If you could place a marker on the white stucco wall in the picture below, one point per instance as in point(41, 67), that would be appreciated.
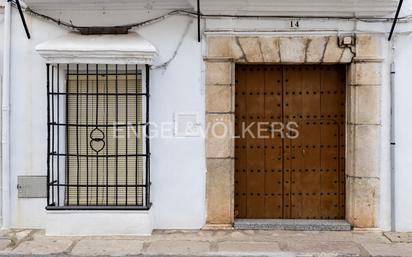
point(178, 165)
point(403, 129)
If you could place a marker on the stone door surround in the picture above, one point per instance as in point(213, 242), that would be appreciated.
point(364, 63)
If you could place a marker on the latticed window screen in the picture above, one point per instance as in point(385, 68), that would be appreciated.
point(98, 146)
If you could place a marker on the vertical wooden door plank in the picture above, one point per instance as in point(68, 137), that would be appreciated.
point(255, 146)
point(273, 142)
point(240, 144)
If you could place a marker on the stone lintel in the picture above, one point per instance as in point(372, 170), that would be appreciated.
point(286, 50)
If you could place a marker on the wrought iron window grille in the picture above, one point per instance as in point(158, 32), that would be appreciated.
point(98, 137)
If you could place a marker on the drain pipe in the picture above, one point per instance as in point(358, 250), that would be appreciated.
point(5, 138)
point(392, 136)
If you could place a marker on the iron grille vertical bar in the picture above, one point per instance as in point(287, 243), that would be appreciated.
point(117, 133)
point(52, 132)
point(48, 133)
point(127, 134)
point(58, 133)
point(97, 124)
point(77, 135)
point(137, 133)
point(147, 135)
point(67, 157)
point(87, 133)
point(107, 145)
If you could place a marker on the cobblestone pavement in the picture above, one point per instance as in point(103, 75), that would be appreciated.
point(210, 243)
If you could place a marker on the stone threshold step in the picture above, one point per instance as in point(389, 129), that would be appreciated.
point(292, 224)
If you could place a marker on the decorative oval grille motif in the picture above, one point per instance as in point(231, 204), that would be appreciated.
point(97, 142)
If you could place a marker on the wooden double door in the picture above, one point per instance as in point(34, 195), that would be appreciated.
point(290, 142)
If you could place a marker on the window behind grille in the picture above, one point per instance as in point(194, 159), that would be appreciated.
point(102, 158)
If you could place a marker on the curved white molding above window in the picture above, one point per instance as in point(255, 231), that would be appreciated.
point(129, 48)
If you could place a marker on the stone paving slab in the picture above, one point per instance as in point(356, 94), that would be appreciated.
point(239, 248)
point(338, 248)
point(22, 234)
point(399, 237)
point(43, 246)
point(109, 247)
point(178, 248)
point(4, 243)
point(383, 250)
point(369, 237)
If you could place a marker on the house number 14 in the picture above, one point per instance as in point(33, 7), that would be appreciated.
point(294, 24)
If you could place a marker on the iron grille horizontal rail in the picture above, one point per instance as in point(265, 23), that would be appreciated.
point(99, 125)
point(101, 156)
point(94, 94)
point(80, 185)
point(99, 208)
point(109, 73)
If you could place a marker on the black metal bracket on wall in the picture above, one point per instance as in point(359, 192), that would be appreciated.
point(23, 20)
point(395, 20)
